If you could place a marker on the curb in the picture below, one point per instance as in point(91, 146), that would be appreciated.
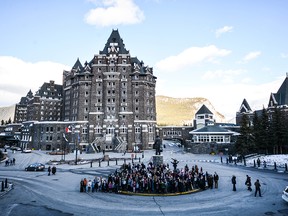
point(159, 194)
point(2, 193)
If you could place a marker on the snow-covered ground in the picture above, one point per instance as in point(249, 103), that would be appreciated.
point(280, 160)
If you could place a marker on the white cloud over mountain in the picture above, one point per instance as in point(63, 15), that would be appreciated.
point(191, 56)
point(18, 77)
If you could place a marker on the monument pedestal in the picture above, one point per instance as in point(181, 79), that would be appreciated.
point(106, 158)
point(157, 160)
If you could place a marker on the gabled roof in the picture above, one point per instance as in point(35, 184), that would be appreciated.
point(135, 61)
point(203, 110)
point(281, 97)
point(29, 94)
point(77, 66)
point(25, 100)
point(245, 108)
point(114, 44)
point(54, 92)
point(211, 129)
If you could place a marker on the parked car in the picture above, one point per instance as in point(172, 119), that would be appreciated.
point(26, 151)
point(35, 167)
point(16, 148)
point(6, 147)
point(285, 194)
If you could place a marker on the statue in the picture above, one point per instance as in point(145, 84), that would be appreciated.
point(157, 145)
point(174, 163)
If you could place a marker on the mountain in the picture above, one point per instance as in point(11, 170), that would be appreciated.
point(181, 111)
point(170, 111)
point(7, 112)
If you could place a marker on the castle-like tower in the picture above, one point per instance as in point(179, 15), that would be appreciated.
point(45, 105)
point(114, 96)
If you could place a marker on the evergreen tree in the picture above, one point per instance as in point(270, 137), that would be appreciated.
point(244, 143)
point(2, 122)
point(277, 130)
point(256, 133)
point(264, 132)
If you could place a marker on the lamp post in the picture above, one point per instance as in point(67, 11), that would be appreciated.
point(76, 145)
point(76, 149)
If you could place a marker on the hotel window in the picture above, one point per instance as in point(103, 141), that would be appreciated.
point(137, 129)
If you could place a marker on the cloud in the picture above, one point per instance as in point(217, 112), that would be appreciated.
point(191, 56)
point(225, 76)
point(251, 56)
point(223, 30)
point(115, 12)
point(225, 97)
point(18, 77)
point(284, 55)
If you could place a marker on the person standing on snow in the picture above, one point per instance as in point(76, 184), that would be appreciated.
point(216, 178)
point(257, 187)
point(234, 182)
point(53, 170)
point(248, 182)
point(49, 170)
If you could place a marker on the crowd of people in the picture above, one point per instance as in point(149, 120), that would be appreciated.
point(10, 162)
point(139, 178)
point(248, 184)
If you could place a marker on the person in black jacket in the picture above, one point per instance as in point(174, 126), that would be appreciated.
point(216, 179)
point(248, 183)
point(49, 170)
point(257, 187)
point(53, 170)
point(234, 182)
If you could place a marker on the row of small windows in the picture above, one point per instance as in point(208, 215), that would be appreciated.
point(211, 138)
point(122, 129)
point(172, 133)
point(100, 61)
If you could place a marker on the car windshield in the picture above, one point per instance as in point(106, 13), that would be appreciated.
point(286, 189)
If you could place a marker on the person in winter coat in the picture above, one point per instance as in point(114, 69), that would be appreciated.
point(81, 186)
point(49, 170)
point(248, 183)
point(257, 187)
point(216, 179)
point(53, 170)
point(234, 182)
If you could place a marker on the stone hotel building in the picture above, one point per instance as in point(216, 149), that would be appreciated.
point(106, 103)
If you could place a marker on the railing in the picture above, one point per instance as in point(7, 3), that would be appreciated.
point(121, 144)
point(98, 141)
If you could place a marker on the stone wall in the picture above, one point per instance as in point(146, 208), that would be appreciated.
point(208, 148)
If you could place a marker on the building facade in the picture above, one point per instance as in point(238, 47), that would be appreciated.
point(277, 100)
point(107, 103)
point(21, 109)
point(115, 94)
point(203, 117)
point(45, 105)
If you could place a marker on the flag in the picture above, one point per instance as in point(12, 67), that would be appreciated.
point(65, 137)
point(67, 130)
point(78, 137)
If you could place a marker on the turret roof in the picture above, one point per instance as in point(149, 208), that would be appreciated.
point(114, 44)
point(203, 110)
point(244, 108)
point(281, 97)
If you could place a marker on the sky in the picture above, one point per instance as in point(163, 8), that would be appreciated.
point(221, 50)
